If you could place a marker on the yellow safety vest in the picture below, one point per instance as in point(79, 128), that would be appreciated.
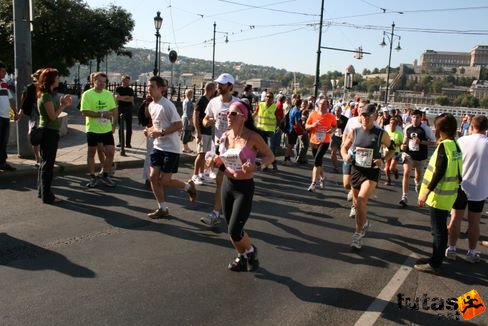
point(266, 117)
point(445, 193)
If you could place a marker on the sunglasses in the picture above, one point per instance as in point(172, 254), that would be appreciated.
point(233, 113)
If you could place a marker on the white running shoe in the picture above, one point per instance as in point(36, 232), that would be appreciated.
point(357, 240)
point(322, 183)
point(211, 219)
point(349, 195)
point(311, 188)
point(451, 254)
point(212, 175)
point(473, 257)
point(352, 213)
point(197, 180)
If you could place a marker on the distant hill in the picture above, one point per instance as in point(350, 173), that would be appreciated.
point(142, 61)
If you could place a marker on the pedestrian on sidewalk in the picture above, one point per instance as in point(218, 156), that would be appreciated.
point(100, 112)
point(7, 102)
point(125, 100)
point(187, 117)
point(237, 160)
point(439, 188)
point(474, 188)
point(203, 134)
point(49, 110)
point(29, 108)
point(165, 155)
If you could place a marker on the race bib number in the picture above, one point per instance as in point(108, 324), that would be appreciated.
point(364, 157)
point(232, 159)
point(338, 132)
point(412, 146)
point(320, 134)
point(222, 121)
point(103, 121)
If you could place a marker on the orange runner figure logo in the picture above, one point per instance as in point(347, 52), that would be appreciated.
point(470, 305)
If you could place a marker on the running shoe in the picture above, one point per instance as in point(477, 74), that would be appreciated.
point(311, 188)
point(352, 213)
point(159, 213)
point(451, 254)
point(366, 227)
point(108, 181)
point(252, 260)
point(426, 268)
point(473, 257)
point(211, 219)
point(212, 175)
point(92, 183)
point(349, 195)
point(357, 240)
point(322, 183)
point(239, 264)
point(197, 180)
point(404, 201)
point(192, 191)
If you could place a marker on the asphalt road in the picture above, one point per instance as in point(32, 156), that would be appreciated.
point(97, 260)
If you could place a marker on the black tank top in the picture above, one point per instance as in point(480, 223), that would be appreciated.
point(366, 146)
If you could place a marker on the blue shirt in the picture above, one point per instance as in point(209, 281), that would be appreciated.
point(293, 117)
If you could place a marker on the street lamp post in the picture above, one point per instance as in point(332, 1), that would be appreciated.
point(398, 48)
point(158, 21)
point(213, 47)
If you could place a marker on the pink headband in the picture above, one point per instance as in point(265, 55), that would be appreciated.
point(242, 107)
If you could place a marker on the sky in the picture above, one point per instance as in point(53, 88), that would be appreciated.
point(285, 34)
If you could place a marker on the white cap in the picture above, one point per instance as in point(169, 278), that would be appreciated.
point(225, 78)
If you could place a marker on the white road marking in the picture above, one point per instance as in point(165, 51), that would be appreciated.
point(374, 311)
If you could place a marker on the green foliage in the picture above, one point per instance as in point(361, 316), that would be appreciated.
point(467, 100)
point(484, 102)
point(66, 32)
point(442, 100)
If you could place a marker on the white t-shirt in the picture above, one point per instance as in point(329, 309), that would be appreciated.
point(163, 115)
point(475, 176)
point(5, 97)
point(218, 110)
point(354, 123)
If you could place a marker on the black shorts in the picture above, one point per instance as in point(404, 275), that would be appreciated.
point(462, 201)
point(167, 162)
point(292, 137)
point(336, 142)
point(359, 175)
point(94, 139)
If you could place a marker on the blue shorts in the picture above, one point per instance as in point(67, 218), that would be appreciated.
point(167, 162)
point(346, 168)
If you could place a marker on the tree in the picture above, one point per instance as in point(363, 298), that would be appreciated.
point(64, 33)
point(442, 100)
point(467, 100)
point(484, 102)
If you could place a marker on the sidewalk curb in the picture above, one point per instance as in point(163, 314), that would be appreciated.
point(61, 168)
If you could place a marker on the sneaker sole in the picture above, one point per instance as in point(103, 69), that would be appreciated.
point(217, 222)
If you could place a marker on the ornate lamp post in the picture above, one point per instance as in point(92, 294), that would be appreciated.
point(158, 21)
point(398, 48)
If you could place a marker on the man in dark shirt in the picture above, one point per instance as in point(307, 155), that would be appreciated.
point(416, 138)
point(125, 100)
point(203, 134)
point(337, 136)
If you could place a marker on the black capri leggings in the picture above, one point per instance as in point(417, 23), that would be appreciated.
point(318, 152)
point(236, 204)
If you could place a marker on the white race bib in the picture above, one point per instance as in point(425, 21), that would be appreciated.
point(338, 132)
point(364, 157)
point(103, 121)
point(320, 134)
point(412, 146)
point(222, 121)
point(232, 159)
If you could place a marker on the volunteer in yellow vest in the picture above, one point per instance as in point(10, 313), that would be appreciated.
point(268, 117)
point(440, 188)
point(100, 112)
